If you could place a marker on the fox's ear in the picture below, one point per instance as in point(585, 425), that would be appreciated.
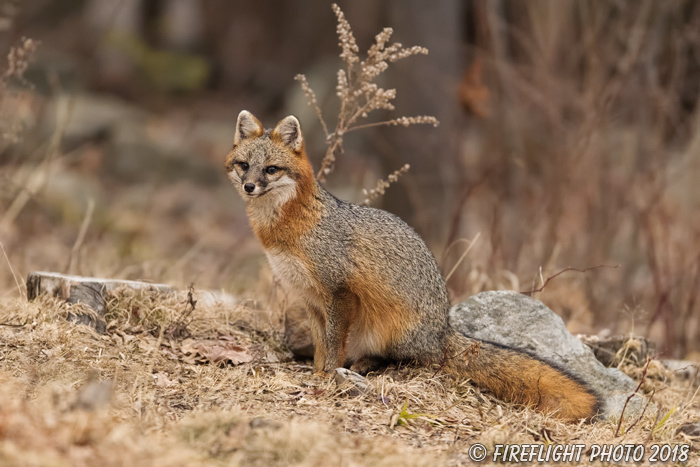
point(288, 131)
point(247, 126)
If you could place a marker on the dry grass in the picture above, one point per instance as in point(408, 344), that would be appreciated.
point(69, 396)
point(584, 158)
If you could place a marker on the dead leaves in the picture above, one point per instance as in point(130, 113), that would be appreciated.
point(214, 351)
point(223, 350)
point(162, 380)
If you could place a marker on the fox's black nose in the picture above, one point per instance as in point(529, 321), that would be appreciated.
point(249, 187)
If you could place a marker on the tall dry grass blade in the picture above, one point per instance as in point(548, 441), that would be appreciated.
point(81, 236)
point(9, 264)
point(461, 258)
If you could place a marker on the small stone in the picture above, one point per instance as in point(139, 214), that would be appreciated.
point(356, 383)
point(260, 422)
point(690, 429)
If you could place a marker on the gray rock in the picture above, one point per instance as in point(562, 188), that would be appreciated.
point(691, 429)
point(515, 320)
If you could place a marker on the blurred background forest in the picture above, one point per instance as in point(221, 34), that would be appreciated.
point(569, 137)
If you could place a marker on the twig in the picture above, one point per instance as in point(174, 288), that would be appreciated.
point(473, 349)
point(624, 407)
point(643, 411)
point(38, 178)
point(15, 325)
point(191, 302)
point(178, 328)
point(403, 121)
point(443, 362)
point(530, 292)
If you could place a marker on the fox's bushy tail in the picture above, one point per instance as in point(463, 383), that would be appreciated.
point(518, 377)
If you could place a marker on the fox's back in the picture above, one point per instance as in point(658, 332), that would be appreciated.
point(351, 239)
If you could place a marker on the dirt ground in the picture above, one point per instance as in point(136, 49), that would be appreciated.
point(168, 385)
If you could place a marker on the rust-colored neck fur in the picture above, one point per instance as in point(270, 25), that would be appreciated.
point(283, 227)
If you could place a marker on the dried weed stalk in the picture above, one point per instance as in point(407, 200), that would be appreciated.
point(11, 121)
point(17, 63)
point(359, 95)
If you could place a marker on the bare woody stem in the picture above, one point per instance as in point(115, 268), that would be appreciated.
point(405, 121)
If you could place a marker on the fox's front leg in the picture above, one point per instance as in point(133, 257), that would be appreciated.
point(317, 319)
point(340, 313)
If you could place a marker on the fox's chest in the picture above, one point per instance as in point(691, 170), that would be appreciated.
point(292, 270)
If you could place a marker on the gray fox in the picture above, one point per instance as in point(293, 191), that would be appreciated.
point(372, 287)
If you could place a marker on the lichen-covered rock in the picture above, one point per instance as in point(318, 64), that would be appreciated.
point(518, 321)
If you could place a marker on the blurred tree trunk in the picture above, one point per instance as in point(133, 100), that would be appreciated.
point(114, 66)
point(426, 85)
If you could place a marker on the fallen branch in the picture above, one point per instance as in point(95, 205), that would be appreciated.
point(530, 292)
point(10, 325)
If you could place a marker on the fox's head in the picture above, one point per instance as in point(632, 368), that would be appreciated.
point(267, 167)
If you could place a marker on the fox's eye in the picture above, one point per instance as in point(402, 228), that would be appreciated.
point(270, 170)
point(244, 165)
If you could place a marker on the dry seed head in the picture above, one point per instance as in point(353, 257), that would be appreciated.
point(421, 119)
point(19, 57)
point(372, 70)
point(382, 185)
point(381, 39)
point(358, 95)
point(307, 89)
point(403, 53)
point(343, 88)
point(311, 96)
point(346, 38)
